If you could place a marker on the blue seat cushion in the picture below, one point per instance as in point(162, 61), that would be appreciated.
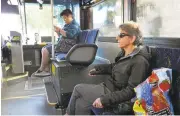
point(60, 56)
point(101, 111)
point(97, 111)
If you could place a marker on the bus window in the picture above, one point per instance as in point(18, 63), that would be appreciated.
point(159, 18)
point(39, 21)
point(10, 22)
point(107, 16)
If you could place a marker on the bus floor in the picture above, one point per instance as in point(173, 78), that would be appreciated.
point(27, 97)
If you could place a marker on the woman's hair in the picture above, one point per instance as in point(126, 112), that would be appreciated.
point(66, 12)
point(132, 29)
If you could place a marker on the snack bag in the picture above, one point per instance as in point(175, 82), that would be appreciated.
point(152, 94)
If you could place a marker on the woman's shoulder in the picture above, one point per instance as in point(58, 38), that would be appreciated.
point(143, 55)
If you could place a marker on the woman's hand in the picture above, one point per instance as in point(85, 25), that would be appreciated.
point(97, 103)
point(93, 72)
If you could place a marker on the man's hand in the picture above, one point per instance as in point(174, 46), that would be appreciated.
point(97, 103)
point(56, 29)
point(60, 31)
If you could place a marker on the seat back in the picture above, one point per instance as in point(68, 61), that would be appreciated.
point(82, 36)
point(82, 54)
point(169, 58)
point(166, 57)
point(91, 36)
point(88, 36)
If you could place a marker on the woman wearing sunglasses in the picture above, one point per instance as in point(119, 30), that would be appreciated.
point(131, 67)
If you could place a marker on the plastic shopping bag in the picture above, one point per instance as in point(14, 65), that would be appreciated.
point(152, 94)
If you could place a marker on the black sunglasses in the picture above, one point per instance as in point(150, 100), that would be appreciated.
point(121, 35)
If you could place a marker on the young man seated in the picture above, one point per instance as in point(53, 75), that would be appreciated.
point(68, 38)
point(130, 69)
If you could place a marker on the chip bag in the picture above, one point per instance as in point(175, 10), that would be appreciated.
point(152, 94)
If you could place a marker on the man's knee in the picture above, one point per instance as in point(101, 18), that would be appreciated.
point(44, 51)
point(78, 87)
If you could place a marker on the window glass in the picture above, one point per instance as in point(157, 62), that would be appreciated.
point(159, 18)
point(107, 16)
point(10, 22)
point(39, 21)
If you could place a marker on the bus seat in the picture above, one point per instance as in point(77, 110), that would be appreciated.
point(169, 58)
point(98, 111)
point(85, 37)
point(82, 36)
point(166, 57)
point(74, 69)
point(163, 57)
point(91, 36)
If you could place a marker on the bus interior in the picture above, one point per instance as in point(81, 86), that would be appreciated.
point(27, 26)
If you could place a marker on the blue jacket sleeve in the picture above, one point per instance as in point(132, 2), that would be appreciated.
point(72, 31)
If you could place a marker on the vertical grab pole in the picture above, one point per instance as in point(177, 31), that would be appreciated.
point(52, 27)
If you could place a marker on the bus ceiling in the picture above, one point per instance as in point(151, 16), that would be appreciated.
point(55, 1)
point(83, 3)
point(89, 3)
point(11, 6)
